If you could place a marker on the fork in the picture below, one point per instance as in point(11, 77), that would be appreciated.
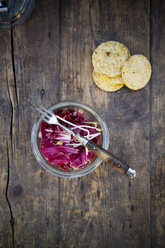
point(49, 117)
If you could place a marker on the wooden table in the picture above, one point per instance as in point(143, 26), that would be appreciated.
point(48, 58)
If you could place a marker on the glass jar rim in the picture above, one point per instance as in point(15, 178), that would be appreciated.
point(20, 15)
point(73, 174)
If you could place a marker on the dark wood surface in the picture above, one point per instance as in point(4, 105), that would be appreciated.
point(48, 58)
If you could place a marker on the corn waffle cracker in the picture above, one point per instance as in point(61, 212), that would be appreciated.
point(136, 72)
point(107, 83)
point(109, 57)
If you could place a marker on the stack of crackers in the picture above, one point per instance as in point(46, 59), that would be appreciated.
point(114, 67)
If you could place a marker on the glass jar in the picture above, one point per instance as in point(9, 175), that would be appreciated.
point(13, 12)
point(93, 117)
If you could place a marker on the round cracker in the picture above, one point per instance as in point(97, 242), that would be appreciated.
point(136, 72)
point(109, 80)
point(108, 84)
point(109, 57)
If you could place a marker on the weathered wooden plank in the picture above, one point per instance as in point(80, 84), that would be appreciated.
point(52, 57)
point(103, 206)
point(34, 193)
point(157, 138)
point(5, 122)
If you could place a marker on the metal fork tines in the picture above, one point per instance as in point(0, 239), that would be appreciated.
point(45, 113)
point(48, 115)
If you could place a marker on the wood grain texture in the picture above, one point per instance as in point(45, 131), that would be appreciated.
point(157, 136)
point(33, 193)
point(5, 139)
point(48, 58)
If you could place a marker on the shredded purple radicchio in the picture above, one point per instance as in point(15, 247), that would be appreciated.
point(60, 149)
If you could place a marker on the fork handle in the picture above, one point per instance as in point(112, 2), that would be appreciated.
point(115, 162)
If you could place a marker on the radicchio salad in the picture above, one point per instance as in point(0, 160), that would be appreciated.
point(60, 149)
